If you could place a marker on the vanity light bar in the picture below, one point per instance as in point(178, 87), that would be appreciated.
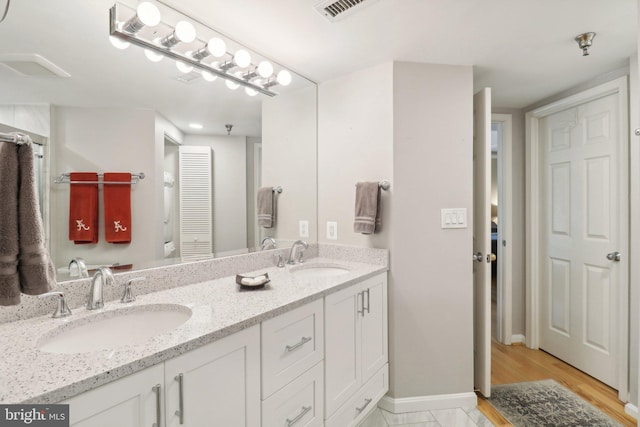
point(115, 29)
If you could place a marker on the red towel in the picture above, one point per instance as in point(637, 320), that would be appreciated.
point(83, 208)
point(117, 208)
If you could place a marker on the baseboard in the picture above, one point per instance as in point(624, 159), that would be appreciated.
point(631, 410)
point(517, 339)
point(428, 403)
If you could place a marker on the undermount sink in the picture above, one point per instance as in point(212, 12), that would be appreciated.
point(115, 328)
point(316, 270)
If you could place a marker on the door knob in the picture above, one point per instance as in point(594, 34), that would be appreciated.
point(478, 257)
point(614, 256)
point(491, 257)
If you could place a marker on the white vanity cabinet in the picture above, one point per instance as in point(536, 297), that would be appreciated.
point(356, 352)
point(220, 387)
point(132, 401)
point(216, 385)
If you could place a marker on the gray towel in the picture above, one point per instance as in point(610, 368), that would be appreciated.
point(266, 207)
point(25, 265)
point(367, 215)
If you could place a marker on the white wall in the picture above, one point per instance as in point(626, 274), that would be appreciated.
point(229, 190)
point(634, 238)
point(104, 140)
point(518, 243)
point(289, 135)
point(412, 124)
point(355, 143)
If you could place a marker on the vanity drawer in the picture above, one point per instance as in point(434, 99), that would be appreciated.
point(299, 403)
point(356, 408)
point(291, 343)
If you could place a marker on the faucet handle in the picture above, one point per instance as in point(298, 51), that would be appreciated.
point(301, 256)
point(279, 261)
point(128, 294)
point(62, 309)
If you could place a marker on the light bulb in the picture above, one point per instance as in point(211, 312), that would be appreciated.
point(284, 78)
point(185, 32)
point(242, 58)
point(265, 69)
point(183, 68)
point(209, 76)
point(216, 47)
point(148, 14)
point(231, 84)
point(251, 92)
point(119, 43)
point(153, 56)
point(195, 126)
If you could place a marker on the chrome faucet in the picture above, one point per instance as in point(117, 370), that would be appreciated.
point(80, 267)
point(102, 277)
point(268, 242)
point(294, 257)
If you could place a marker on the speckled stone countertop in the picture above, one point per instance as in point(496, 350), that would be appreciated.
point(220, 308)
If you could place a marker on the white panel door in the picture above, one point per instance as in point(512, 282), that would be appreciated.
point(580, 204)
point(482, 240)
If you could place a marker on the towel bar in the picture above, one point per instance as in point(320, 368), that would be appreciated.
point(64, 179)
point(277, 189)
point(15, 138)
point(384, 185)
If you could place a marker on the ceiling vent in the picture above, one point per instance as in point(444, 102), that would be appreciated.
point(336, 10)
point(32, 65)
point(188, 78)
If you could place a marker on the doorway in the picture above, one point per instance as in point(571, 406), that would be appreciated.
point(549, 275)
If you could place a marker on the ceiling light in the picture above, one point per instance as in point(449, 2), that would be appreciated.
point(231, 84)
point(184, 32)
point(251, 92)
point(147, 14)
point(215, 46)
point(183, 68)
point(153, 56)
point(242, 58)
point(118, 43)
point(195, 125)
point(585, 41)
point(265, 69)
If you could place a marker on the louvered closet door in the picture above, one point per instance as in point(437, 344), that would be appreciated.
point(196, 218)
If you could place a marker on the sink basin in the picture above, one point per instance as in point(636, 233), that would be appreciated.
point(115, 328)
point(315, 270)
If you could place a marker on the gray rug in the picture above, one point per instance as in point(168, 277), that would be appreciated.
point(547, 404)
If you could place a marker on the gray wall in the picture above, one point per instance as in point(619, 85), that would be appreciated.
point(412, 124)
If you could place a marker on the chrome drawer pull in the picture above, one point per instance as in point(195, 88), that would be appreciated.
point(156, 389)
point(180, 411)
point(298, 417)
point(366, 403)
point(360, 295)
point(302, 342)
point(368, 302)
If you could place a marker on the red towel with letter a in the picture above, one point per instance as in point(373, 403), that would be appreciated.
point(83, 208)
point(117, 207)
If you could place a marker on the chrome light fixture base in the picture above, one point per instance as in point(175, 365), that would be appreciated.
point(585, 41)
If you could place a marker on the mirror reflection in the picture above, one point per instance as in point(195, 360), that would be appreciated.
point(205, 150)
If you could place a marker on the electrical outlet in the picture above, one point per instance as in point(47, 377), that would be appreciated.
point(304, 228)
point(332, 230)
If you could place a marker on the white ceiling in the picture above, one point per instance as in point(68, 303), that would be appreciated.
point(523, 50)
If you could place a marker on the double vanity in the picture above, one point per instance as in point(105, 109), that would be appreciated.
point(307, 349)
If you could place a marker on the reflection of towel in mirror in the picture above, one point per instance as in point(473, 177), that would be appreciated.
point(117, 208)
point(83, 208)
point(367, 213)
point(25, 265)
point(266, 207)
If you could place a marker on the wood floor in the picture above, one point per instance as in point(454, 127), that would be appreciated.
point(512, 364)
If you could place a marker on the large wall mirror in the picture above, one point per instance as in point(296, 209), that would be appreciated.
point(97, 108)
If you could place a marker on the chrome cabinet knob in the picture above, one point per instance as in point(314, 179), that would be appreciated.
point(614, 256)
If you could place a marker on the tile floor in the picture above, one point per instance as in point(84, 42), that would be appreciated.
point(459, 417)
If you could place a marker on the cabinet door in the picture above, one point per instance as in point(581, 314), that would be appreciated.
point(374, 326)
point(128, 402)
point(220, 383)
point(342, 346)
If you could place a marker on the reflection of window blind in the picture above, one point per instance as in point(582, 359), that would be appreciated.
point(196, 218)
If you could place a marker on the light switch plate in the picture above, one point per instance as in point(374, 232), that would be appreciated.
point(304, 228)
point(332, 230)
point(453, 218)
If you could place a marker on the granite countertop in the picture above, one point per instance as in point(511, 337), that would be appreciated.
point(220, 308)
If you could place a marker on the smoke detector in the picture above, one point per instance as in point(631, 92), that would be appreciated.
point(334, 10)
